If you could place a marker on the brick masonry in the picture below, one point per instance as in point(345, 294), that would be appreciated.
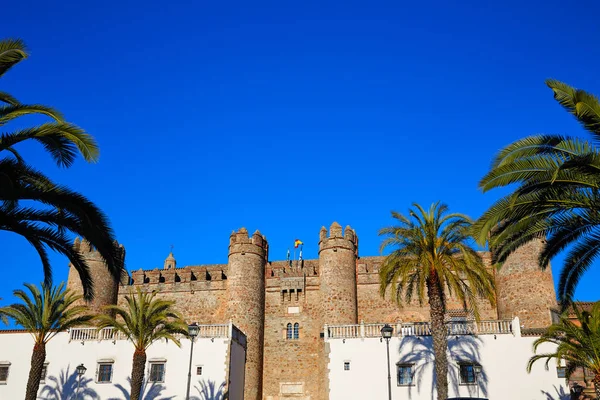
point(262, 297)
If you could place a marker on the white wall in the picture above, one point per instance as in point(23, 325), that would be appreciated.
point(237, 370)
point(63, 357)
point(503, 359)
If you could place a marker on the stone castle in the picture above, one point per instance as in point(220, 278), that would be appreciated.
point(283, 306)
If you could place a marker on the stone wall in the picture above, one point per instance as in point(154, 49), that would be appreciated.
point(524, 290)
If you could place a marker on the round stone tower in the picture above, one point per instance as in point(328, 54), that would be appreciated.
point(337, 266)
point(524, 290)
point(246, 301)
point(106, 287)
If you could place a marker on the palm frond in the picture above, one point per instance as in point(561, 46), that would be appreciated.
point(12, 51)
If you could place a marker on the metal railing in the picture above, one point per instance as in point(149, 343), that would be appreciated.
point(419, 329)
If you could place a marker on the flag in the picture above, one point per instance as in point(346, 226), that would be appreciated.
point(297, 243)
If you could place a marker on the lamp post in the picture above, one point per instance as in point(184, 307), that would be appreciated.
point(477, 370)
point(80, 371)
point(192, 333)
point(386, 333)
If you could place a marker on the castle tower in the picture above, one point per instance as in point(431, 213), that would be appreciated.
point(524, 290)
point(170, 262)
point(337, 264)
point(246, 301)
point(106, 288)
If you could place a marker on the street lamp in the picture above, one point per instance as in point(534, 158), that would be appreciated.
point(477, 370)
point(386, 333)
point(192, 333)
point(80, 371)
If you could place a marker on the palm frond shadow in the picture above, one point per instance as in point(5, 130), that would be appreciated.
point(64, 387)
point(561, 394)
point(150, 391)
point(418, 351)
point(209, 391)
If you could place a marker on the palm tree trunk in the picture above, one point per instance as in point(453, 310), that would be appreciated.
point(137, 373)
point(38, 357)
point(596, 382)
point(437, 310)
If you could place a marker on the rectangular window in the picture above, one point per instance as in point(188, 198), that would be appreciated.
point(4, 373)
point(561, 372)
point(346, 365)
point(199, 370)
point(44, 372)
point(467, 374)
point(104, 372)
point(157, 372)
point(405, 374)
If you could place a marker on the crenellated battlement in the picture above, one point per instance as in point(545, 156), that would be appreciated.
point(241, 242)
point(194, 273)
point(348, 240)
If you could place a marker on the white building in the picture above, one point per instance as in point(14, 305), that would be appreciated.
point(358, 363)
point(218, 363)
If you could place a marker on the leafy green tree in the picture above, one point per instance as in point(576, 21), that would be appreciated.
point(557, 195)
point(144, 320)
point(577, 343)
point(432, 258)
point(44, 313)
point(52, 212)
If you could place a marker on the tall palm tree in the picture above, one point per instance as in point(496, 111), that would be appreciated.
point(577, 343)
point(62, 211)
point(432, 258)
point(144, 320)
point(44, 313)
point(557, 195)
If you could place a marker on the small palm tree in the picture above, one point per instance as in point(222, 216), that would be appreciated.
point(44, 314)
point(557, 195)
point(577, 343)
point(52, 211)
point(144, 320)
point(432, 258)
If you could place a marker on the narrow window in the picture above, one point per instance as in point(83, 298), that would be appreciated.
point(199, 370)
point(405, 374)
point(44, 373)
point(346, 365)
point(467, 374)
point(4, 373)
point(561, 372)
point(104, 373)
point(157, 372)
point(296, 330)
point(289, 334)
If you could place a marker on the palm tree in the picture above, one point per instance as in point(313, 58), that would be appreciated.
point(557, 196)
point(62, 211)
point(144, 320)
point(431, 252)
point(577, 343)
point(44, 314)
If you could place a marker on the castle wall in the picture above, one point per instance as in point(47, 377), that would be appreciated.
point(289, 364)
point(372, 308)
point(524, 290)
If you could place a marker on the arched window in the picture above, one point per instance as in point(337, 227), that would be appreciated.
point(296, 330)
point(289, 332)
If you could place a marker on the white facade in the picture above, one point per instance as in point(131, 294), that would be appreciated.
point(218, 357)
point(358, 363)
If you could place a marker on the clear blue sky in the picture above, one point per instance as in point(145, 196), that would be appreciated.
point(285, 116)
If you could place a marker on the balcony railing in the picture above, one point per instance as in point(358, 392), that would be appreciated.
point(92, 334)
point(419, 329)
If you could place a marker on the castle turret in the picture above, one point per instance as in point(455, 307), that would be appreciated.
point(337, 265)
point(524, 290)
point(246, 301)
point(106, 287)
point(170, 262)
